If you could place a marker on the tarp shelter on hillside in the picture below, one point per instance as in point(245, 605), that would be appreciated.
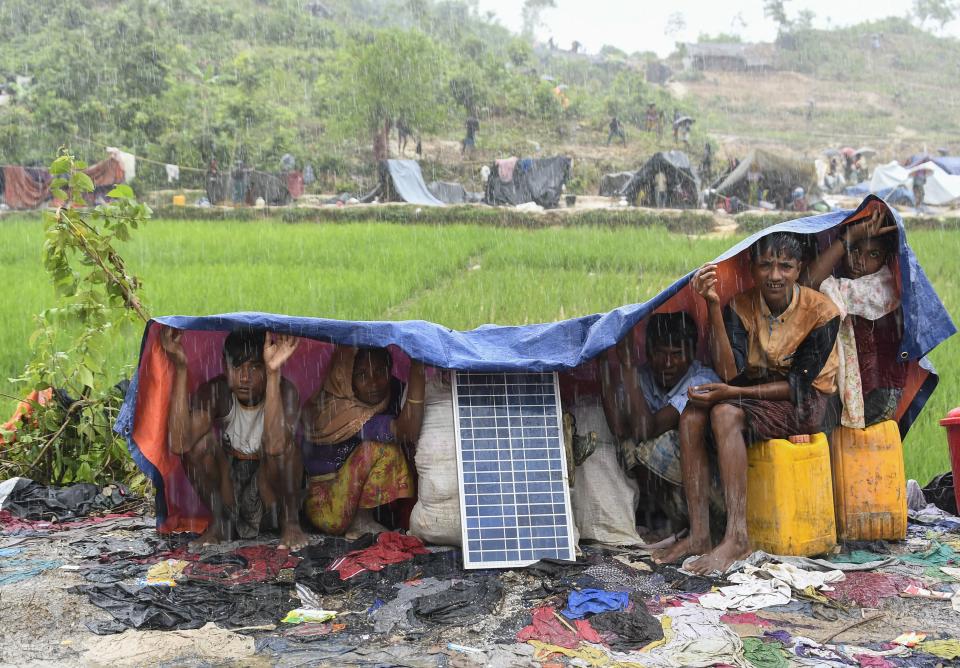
point(569, 346)
point(247, 186)
point(683, 185)
point(29, 187)
point(449, 192)
point(948, 163)
point(779, 175)
point(402, 181)
point(539, 180)
point(940, 187)
point(612, 184)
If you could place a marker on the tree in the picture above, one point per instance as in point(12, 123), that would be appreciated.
point(776, 10)
point(676, 22)
point(531, 12)
point(395, 74)
point(804, 19)
point(939, 11)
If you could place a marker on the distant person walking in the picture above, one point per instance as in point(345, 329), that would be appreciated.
point(651, 117)
point(616, 130)
point(676, 126)
point(661, 121)
point(706, 165)
point(919, 185)
point(470, 141)
point(404, 133)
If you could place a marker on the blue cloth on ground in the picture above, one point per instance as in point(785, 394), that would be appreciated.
point(587, 601)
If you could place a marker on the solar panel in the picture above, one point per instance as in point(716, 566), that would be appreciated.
point(514, 499)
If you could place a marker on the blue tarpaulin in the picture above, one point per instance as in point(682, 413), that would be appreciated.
point(408, 182)
point(556, 346)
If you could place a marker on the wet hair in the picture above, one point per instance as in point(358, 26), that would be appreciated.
point(778, 243)
point(671, 329)
point(244, 345)
point(375, 352)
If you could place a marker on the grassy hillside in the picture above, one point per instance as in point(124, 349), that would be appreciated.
point(891, 97)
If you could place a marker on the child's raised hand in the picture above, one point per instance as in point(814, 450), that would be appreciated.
point(704, 283)
point(871, 227)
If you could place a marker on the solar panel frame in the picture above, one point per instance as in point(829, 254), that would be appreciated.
point(550, 479)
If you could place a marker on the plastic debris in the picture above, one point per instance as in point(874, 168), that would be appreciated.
point(911, 639)
point(300, 615)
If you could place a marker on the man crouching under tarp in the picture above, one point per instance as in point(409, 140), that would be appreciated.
point(235, 436)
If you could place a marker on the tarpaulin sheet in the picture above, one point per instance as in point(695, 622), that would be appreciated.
point(408, 182)
point(539, 181)
point(940, 187)
point(556, 346)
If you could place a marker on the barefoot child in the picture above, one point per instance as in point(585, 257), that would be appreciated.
point(871, 377)
point(235, 436)
point(773, 345)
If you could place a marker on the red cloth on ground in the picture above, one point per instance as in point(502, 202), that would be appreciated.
point(264, 563)
point(744, 618)
point(867, 589)
point(548, 628)
point(868, 661)
point(391, 548)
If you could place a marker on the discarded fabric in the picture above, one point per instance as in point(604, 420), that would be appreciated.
point(459, 604)
point(185, 607)
point(762, 654)
point(748, 593)
point(254, 563)
point(390, 548)
point(582, 603)
point(628, 630)
point(868, 589)
point(945, 649)
point(548, 627)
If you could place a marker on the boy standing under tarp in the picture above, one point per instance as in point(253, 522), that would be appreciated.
point(774, 347)
point(235, 435)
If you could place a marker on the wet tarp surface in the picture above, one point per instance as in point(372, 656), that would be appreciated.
point(948, 163)
point(402, 180)
point(779, 176)
point(612, 184)
point(683, 185)
point(569, 346)
point(898, 195)
point(534, 180)
point(450, 193)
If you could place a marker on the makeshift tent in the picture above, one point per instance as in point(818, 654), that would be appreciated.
point(568, 346)
point(539, 180)
point(402, 181)
point(29, 187)
point(271, 188)
point(940, 187)
point(449, 192)
point(948, 163)
point(612, 184)
point(897, 196)
point(683, 185)
point(779, 175)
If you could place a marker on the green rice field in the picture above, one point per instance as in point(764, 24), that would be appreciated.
point(461, 276)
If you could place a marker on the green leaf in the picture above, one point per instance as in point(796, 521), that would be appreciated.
point(85, 376)
point(61, 165)
point(82, 182)
point(121, 191)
